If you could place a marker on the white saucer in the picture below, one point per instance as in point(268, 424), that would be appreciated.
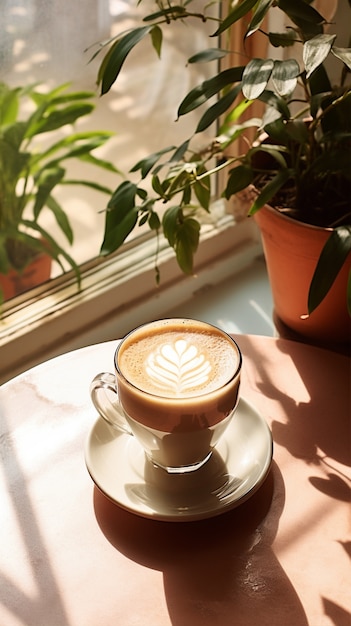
point(237, 467)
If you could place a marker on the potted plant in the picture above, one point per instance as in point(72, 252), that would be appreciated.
point(30, 170)
point(296, 156)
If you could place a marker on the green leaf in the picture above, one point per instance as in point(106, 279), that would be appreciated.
point(186, 199)
point(9, 105)
point(209, 88)
point(344, 54)
point(123, 199)
point(255, 77)
point(211, 54)
point(259, 14)
point(4, 261)
point(239, 11)
point(270, 189)
point(333, 256)
point(230, 133)
point(277, 103)
point(98, 162)
point(54, 249)
point(157, 186)
point(180, 152)
point(282, 40)
point(87, 183)
point(303, 15)
point(156, 38)
point(58, 118)
point(116, 233)
point(297, 131)
point(285, 75)
point(202, 189)
point(154, 221)
point(276, 152)
point(143, 219)
point(46, 181)
point(239, 178)
point(170, 223)
point(315, 51)
point(61, 218)
point(187, 243)
point(117, 55)
point(218, 109)
point(146, 165)
point(171, 12)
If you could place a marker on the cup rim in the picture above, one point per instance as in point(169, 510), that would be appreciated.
point(183, 398)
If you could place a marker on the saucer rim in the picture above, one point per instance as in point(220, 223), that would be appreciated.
point(184, 516)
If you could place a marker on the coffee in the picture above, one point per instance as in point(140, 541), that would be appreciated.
point(176, 387)
point(168, 378)
point(178, 359)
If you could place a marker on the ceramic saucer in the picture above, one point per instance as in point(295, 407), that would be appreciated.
point(237, 467)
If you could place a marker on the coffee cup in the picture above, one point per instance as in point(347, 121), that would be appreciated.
point(175, 388)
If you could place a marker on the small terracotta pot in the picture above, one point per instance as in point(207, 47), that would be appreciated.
point(36, 272)
point(292, 250)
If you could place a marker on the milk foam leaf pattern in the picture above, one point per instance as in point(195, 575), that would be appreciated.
point(178, 367)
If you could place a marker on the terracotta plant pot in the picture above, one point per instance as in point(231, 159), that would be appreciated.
point(35, 273)
point(292, 249)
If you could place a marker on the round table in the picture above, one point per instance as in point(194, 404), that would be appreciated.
point(71, 557)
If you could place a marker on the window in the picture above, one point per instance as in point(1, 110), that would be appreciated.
point(45, 41)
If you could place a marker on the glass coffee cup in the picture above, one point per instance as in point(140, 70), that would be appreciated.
point(175, 388)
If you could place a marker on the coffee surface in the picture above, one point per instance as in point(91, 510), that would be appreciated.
point(178, 361)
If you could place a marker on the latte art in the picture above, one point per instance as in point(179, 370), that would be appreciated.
point(178, 367)
point(178, 359)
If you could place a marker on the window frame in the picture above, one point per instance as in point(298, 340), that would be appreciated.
point(117, 293)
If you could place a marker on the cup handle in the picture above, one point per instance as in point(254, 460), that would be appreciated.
point(101, 389)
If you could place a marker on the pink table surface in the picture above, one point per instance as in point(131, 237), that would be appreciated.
point(70, 557)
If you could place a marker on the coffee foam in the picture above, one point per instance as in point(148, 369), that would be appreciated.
point(178, 362)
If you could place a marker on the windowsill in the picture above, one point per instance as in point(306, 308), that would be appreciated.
point(240, 304)
point(61, 319)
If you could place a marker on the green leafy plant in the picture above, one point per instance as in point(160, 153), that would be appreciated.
point(29, 172)
point(297, 157)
